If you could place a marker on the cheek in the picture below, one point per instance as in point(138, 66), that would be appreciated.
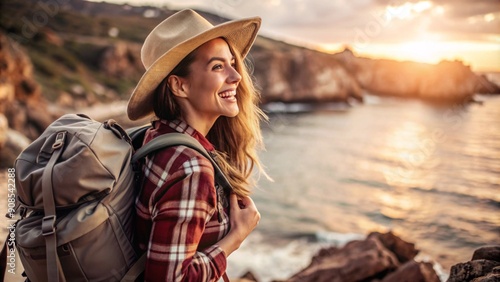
point(216, 82)
point(208, 85)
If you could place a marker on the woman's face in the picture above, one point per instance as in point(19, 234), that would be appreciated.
point(212, 81)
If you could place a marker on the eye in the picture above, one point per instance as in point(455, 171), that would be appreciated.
point(217, 67)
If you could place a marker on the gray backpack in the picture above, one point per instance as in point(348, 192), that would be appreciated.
point(76, 186)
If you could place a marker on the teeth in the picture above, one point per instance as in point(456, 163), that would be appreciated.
point(227, 94)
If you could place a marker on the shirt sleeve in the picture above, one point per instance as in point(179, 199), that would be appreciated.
point(183, 205)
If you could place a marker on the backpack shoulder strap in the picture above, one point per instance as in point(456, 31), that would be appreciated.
point(177, 139)
point(160, 142)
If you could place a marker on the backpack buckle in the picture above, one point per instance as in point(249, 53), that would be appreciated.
point(59, 140)
point(48, 225)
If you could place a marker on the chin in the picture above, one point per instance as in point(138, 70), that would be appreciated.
point(231, 114)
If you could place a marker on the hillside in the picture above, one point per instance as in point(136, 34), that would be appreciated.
point(84, 52)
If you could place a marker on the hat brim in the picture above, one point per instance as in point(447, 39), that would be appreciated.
point(240, 33)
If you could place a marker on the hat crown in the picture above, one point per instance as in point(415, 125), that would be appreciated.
point(171, 32)
point(172, 40)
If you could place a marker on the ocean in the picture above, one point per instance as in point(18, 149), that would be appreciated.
point(428, 173)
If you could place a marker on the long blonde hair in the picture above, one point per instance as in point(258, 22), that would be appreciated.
point(236, 148)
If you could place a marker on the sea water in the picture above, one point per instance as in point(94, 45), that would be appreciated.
point(428, 173)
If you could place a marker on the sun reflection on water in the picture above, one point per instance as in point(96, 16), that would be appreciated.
point(410, 152)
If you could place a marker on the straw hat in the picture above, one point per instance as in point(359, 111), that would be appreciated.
point(172, 40)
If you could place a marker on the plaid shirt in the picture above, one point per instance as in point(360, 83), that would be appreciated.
point(178, 212)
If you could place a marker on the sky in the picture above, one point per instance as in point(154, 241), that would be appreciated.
point(417, 30)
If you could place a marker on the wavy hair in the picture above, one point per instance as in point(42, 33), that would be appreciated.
point(236, 149)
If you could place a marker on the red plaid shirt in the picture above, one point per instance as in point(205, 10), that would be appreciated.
point(178, 212)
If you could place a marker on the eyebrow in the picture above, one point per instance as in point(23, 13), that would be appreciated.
point(219, 59)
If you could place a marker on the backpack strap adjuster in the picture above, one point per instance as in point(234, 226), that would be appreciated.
point(48, 225)
point(59, 140)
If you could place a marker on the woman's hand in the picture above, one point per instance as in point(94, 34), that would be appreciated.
point(244, 217)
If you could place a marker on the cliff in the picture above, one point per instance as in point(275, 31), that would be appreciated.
point(288, 73)
point(448, 81)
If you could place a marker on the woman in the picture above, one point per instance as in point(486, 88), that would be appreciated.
point(196, 83)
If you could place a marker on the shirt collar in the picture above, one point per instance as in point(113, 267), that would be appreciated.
point(178, 125)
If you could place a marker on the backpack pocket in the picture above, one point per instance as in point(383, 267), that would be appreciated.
point(97, 249)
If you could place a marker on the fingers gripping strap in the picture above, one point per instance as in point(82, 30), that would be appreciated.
point(54, 270)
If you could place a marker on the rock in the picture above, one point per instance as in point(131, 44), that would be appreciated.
point(356, 261)
point(21, 100)
point(121, 60)
point(65, 100)
point(488, 278)
point(373, 259)
point(488, 253)
point(403, 250)
point(485, 86)
point(413, 271)
point(484, 266)
point(249, 276)
point(14, 144)
point(472, 269)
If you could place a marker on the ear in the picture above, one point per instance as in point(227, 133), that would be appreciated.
point(177, 86)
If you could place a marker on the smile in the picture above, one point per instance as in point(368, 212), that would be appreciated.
point(227, 94)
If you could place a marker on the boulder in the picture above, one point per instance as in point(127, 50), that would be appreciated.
point(15, 143)
point(121, 60)
point(413, 271)
point(487, 253)
point(403, 250)
point(356, 261)
point(483, 267)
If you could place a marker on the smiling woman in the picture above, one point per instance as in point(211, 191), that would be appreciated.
point(196, 84)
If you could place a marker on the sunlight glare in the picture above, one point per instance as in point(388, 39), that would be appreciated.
point(275, 2)
point(407, 10)
point(439, 10)
point(489, 17)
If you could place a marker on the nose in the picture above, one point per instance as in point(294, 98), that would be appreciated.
point(234, 76)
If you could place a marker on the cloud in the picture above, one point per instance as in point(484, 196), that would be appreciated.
point(378, 21)
point(463, 9)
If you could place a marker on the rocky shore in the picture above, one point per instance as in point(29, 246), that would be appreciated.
point(384, 257)
point(381, 257)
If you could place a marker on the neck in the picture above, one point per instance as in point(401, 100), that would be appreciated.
point(201, 125)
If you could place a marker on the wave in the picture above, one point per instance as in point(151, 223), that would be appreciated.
point(473, 198)
point(294, 108)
